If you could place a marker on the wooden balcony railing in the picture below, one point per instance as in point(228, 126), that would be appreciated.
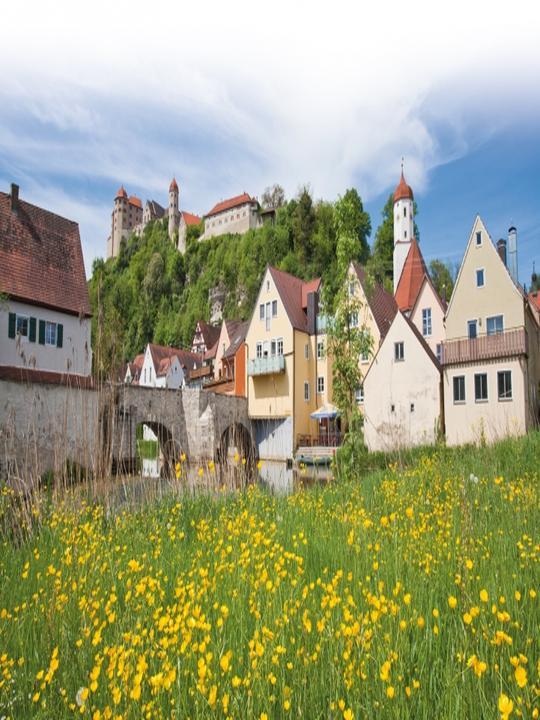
point(509, 343)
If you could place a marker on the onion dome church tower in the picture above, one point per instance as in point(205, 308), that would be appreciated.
point(403, 225)
point(174, 212)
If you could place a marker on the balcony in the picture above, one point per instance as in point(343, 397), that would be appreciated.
point(270, 365)
point(509, 343)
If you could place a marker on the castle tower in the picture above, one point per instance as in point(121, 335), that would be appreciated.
point(403, 225)
point(174, 213)
point(119, 220)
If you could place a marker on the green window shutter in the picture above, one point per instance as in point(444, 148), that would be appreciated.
point(12, 325)
point(59, 335)
point(32, 330)
point(42, 332)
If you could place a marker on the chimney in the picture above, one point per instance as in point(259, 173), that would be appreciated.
point(14, 197)
point(512, 253)
point(312, 311)
point(501, 249)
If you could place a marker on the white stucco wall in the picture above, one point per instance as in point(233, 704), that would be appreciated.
point(173, 380)
point(427, 298)
point(75, 355)
point(490, 420)
point(236, 220)
point(413, 380)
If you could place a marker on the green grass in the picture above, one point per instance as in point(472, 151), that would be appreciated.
point(312, 605)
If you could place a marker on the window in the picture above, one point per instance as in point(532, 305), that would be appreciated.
point(320, 350)
point(273, 347)
point(480, 387)
point(504, 384)
point(150, 373)
point(306, 391)
point(359, 394)
point(261, 311)
point(259, 350)
point(50, 333)
point(22, 325)
point(306, 351)
point(405, 212)
point(459, 388)
point(471, 325)
point(405, 234)
point(412, 407)
point(266, 348)
point(426, 321)
point(480, 280)
point(494, 325)
point(280, 346)
point(392, 408)
point(439, 352)
point(352, 286)
point(267, 312)
point(399, 351)
point(320, 385)
point(267, 283)
point(478, 238)
point(354, 319)
point(274, 308)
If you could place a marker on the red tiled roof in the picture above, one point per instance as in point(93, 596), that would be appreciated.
point(209, 332)
point(190, 219)
point(173, 185)
point(237, 336)
point(121, 193)
point(41, 260)
point(293, 293)
point(381, 302)
point(403, 191)
point(534, 298)
point(162, 356)
point(47, 377)
point(134, 200)
point(210, 354)
point(412, 277)
point(230, 203)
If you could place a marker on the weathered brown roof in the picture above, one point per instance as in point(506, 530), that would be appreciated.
point(293, 293)
point(237, 338)
point(209, 332)
point(162, 356)
point(235, 201)
point(412, 277)
point(381, 302)
point(41, 260)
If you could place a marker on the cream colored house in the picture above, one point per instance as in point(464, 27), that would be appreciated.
point(491, 355)
point(403, 393)
point(234, 215)
point(287, 381)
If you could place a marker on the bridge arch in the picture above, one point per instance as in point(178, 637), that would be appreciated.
point(169, 448)
point(236, 438)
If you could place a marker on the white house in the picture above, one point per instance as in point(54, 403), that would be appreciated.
point(44, 305)
point(403, 394)
point(167, 367)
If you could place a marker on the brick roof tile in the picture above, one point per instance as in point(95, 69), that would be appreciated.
point(230, 203)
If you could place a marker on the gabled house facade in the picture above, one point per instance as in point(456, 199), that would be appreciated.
point(283, 382)
point(491, 354)
point(167, 367)
point(133, 370)
point(45, 308)
point(403, 391)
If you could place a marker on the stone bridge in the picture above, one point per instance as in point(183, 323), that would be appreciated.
point(47, 425)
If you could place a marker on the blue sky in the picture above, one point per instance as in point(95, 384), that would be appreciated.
point(230, 97)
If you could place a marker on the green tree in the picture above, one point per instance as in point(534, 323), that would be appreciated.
point(303, 224)
point(353, 221)
point(273, 197)
point(442, 278)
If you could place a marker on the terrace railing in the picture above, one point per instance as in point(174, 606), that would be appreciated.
point(270, 365)
point(509, 343)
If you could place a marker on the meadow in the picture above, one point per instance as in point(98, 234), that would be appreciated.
point(407, 591)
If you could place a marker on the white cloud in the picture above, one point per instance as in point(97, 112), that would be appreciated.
point(234, 96)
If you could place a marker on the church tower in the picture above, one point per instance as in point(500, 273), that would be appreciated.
point(174, 213)
point(119, 220)
point(403, 225)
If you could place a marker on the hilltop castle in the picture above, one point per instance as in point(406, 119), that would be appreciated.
point(128, 216)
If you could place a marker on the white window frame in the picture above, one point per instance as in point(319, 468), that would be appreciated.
point(483, 399)
point(274, 308)
point(259, 350)
point(306, 390)
point(359, 394)
point(483, 271)
point(273, 347)
point(354, 320)
point(495, 317)
point(459, 401)
point(427, 324)
point(279, 346)
point(306, 351)
point(320, 350)
point(399, 351)
point(474, 322)
point(478, 238)
point(320, 385)
point(25, 318)
point(49, 324)
point(507, 398)
point(261, 311)
point(268, 312)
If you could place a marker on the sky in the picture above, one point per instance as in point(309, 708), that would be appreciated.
point(232, 97)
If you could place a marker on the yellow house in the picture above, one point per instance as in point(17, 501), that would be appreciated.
point(491, 355)
point(287, 365)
